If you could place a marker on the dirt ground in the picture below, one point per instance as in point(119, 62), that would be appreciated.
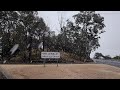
point(63, 71)
point(2, 76)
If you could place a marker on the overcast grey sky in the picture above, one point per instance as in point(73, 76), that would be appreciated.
point(110, 43)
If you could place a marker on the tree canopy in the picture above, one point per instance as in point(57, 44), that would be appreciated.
point(20, 27)
point(79, 37)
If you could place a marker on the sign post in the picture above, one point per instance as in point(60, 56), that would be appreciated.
point(50, 55)
point(44, 62)
point(57, 62)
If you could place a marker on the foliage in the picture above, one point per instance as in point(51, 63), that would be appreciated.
point(81, 37)
point(116, 57)
point(107, 57)
point(98, 55)
point(20, 27)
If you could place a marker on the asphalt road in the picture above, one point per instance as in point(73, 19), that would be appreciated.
point(109, 62)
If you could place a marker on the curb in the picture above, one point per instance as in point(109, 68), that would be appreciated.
point(7, 76)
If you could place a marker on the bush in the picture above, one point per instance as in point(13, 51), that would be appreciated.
point(116, 57)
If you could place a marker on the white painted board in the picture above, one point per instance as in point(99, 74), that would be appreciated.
point(50, 54)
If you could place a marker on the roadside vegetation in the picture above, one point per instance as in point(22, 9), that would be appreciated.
point(31, 35)
point(101, 56)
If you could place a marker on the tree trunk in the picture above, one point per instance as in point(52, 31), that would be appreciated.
point(30, 49)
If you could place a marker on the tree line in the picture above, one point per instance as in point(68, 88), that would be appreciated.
point(79, 37)
point(101, 56)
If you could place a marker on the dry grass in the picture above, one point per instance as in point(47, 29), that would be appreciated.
point(70, 57)
point(65, 57)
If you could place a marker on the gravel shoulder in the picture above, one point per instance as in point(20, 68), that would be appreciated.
point(63, 71)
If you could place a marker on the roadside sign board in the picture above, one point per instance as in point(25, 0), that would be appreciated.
point(50, 55)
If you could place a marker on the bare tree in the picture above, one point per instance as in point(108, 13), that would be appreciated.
point(61, 19)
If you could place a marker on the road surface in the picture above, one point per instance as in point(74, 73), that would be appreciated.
point(108, 62)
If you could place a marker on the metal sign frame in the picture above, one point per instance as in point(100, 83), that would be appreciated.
point(52, 53)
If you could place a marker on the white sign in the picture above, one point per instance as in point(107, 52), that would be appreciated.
point(50, 54)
